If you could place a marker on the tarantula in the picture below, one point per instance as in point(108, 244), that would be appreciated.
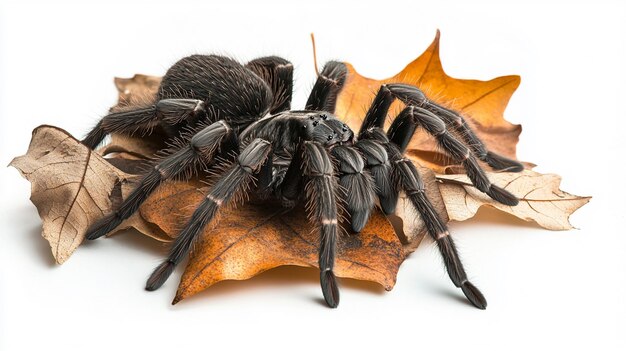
point(219, 109)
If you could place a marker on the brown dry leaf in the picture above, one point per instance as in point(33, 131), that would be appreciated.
point(137, 90)
point(481, 102)
point(134, 148)
point(256, 237)
point(71, 186)
point(541, 200)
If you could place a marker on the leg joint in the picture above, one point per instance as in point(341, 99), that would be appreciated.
point(214, 199)
point(331, 221)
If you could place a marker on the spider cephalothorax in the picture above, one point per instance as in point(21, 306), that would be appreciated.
point(217, 109)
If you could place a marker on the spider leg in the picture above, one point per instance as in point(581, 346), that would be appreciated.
point(455, 122)
point(406, 177)
point(166, 112)
point(329, 82)
point(278, 74)
point(202, 148)
point(411, 182)
point(312, 161)
point(404, 126)
point(233, 183)
point(358, 184)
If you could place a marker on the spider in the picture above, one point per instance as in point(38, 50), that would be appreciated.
point(218, 109)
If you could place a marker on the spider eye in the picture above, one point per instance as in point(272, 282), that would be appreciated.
point(315, 123)
point(311, 117)
point(324, 117)
point(330, 137)
point(344, 128)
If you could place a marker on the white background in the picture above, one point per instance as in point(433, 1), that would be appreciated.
point(546, 290)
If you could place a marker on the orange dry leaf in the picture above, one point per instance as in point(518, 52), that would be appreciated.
point(481, 102)
point(258, 236)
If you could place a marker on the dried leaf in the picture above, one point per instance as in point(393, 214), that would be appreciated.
point(139, 89)
point(481, 102)
point(71, 186)
point(541, 200)
point(259, 236)
point(136, 148)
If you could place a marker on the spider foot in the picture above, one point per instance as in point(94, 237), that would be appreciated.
point(502, 196)
point(359, 219)
point(160, 275)
point(330, 289)
point(474, 295)
point(101, 227)
point(502, 163)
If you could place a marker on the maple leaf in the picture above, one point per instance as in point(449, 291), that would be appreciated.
point(482, 103)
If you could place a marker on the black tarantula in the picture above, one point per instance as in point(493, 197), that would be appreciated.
point(217, 108)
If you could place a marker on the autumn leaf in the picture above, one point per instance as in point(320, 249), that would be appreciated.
point(71, 186)
point(140, 89)
point(66, 200)
point(258, 236)
point(541, 200)
point(482, 103)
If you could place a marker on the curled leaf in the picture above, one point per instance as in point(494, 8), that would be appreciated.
point(70, 184)
point(541, 200)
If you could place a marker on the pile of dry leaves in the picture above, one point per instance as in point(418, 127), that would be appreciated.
point(73, 186)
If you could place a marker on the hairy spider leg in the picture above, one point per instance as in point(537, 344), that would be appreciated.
point(217, 138)
point(329, 82)
point(233, 184)
point(403, 128)
point(413, 186)
point(278, 74)
point(455, 122)
point(411, 95)
point(166, 113)
point(406, 178)
point(353, 178)
point(312, 161)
